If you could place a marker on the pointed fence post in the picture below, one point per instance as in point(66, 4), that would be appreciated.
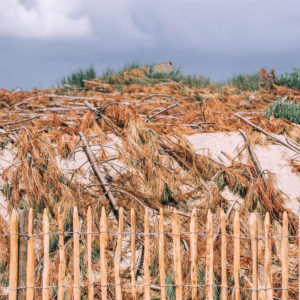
point(132, 244)
point(103, 249)
point(76, 253)
point(237, 255)
point(193, 241)
point(285, 258)
point(161, 255)
point(177, 255)
point(62, 263)
point(13, 265)
point(22, 255)
point(45, 292)
point(254, 249)
point(30, 259)
point(118, 255)
point(223, 256)
point(147, 256)
point(209, 258)
point(268, 259)
point(89, 254)
point(299, 256)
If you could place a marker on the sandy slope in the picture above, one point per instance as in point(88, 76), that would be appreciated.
point(274, 158)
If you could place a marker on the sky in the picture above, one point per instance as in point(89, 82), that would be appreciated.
point(43, 40)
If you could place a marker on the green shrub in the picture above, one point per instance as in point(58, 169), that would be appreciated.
point(76, 78)
point(286, 109)
point(247, 82)
point(291, 80)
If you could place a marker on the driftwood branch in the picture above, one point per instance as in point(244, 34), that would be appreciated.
point(160, 112)
point(92, 159)
point(98, 112)
point(253, 158)
point(156, 95)
point(271, 136)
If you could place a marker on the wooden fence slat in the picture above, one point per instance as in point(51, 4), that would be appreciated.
point(268, 259)
point(132, 240)
point(223, 256)
point(177, 255)
point(146, 256)
point(161, 254)
point(76, 253)
point(62, 263)
point(30, 259)
point(45, 293)
point(209, 258)
point(89, 254)
point(193, 238)
point(237, 255)
point(254, 249)
point(13, 266)
point(299, 255)
point(285, 258)
point(103, 249)
point(118, 255)
point(22, 255)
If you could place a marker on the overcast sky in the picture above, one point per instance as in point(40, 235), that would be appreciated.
point(43, 40)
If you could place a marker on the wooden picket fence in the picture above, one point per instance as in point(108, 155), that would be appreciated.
point(177, 257)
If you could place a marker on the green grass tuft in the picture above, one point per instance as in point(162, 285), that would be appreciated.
point(76, 78)
point(248, 82)
point(291, 80)
point(285, 109)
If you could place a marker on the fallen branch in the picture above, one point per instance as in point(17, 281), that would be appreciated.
point(93, 161)
point(253, 158)
point(271, 136)
point(98, 112)
point(156, 95)
point(22, 121)
point(160, 112)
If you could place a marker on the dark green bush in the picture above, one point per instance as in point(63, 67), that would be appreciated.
point(76, 78)
point(291, 80)
point(286, 109)
point(247, 82)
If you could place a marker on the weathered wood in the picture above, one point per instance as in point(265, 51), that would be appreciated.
point(30, 259)
point(13, 265)
point(274, 138)
point(103, 249)
point(254, 249)
point(268, 259)
point(45, 292)
point(76, 257)
point(193, 245)
point(177, 254)
point(118, 254)
point(237, 255)
point(146, 256)
point(209, 258)
point(223, 256)
point(62, 262)
point(22, 255)
point(89, 254)
point(162, 111)
point(285, 258)
point(91, 157)
point(161, 255)
point(132, 240)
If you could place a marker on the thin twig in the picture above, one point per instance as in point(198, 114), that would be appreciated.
point(160, 112)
